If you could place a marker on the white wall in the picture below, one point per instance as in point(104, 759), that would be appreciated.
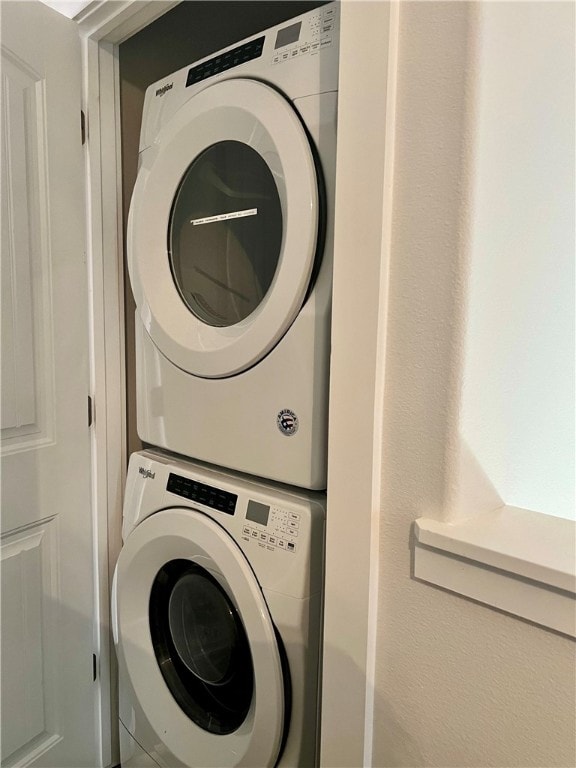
point(518, 401)
point(459, 684)
point(69, 8)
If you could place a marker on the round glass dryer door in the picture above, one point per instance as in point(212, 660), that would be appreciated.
point(223, 228)
point(225, 233)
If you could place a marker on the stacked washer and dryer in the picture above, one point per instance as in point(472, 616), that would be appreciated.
point(217, 597)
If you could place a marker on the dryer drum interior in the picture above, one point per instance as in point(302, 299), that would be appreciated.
point(225, 233)
point(201, 647)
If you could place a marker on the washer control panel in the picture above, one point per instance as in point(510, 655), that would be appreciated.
point(194, 490)
point(272, 527)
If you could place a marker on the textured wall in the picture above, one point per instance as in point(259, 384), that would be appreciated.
point(518, 398)
point(458, 684)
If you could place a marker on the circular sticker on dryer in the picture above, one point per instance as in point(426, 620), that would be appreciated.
point(287, 422)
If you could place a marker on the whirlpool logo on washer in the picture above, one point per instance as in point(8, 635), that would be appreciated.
point(287, 422)
point(161, 91)
point(147, 473)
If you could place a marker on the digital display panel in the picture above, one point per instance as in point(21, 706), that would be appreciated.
point(288, 35)
point(188, 488)
point(257, 513)
point(224, 61)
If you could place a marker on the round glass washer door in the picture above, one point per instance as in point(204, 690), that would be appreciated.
point(201, 647)
point(223, 228)
point(196, 642)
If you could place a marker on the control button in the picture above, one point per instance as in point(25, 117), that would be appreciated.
point(263, 537)
point(291, 546)
point(326, 42)
point(281, 543)
point(246, 530)
point(254, 534)
point(292, 531)
point(272, 539)
point(294, 516)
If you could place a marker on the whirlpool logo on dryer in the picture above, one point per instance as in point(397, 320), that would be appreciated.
point(162, 91)
point(147, 473)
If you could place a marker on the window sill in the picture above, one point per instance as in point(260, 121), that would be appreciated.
point(515, 560)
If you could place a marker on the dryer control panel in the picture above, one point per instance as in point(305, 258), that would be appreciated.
point(309, 42)
point(224, 61)
point(308, 35)
point(315, 31)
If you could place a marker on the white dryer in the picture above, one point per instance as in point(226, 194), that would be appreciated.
point(230, 253)
point(217, 604)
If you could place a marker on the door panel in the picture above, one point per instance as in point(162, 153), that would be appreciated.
point(49, 697)
point(24, 252)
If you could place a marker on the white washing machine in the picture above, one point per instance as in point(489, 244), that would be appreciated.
point(217, 603)
point(229, 244)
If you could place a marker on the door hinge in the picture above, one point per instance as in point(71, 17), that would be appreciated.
point(90, 411)
point(83, 126)
point(94, 667)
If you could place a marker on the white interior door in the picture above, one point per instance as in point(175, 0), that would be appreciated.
point(48, 693)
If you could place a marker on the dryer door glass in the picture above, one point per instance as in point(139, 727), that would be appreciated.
point(225, 233)
point(201, 646)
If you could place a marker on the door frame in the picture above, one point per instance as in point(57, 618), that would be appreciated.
point(367, 88)
point(102, 26)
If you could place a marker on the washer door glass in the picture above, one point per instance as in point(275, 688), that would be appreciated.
point(201, 646)
point(225, 233)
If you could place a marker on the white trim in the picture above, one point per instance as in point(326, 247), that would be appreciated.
point(101, 27)
point(117, 21)
point(361, 256)
point(518, 561)
point(373, 585)
point(107, 375)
